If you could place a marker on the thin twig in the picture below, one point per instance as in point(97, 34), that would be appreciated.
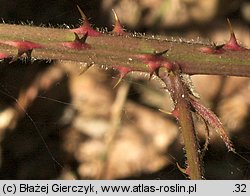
point(116, 115)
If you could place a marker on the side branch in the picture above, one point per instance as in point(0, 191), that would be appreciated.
point(180, 97)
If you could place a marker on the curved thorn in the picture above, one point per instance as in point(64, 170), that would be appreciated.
point(118, 82)
point(233, 37)
point(84, 38)
point(166, 112)
point(232, 44)
point(174, 113)
point(81, 40)
point(78, 43)
point(118, 28)
point(115, 15)
point(123, 71)
point(230, 26)
point(182, 170)
point(85, 27)
point(218, 47)
point(161, 53)
point(85, 69)
point(76, 37)
point(84, 17)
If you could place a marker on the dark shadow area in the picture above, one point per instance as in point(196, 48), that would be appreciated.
point(33, 148)
point(56, 12)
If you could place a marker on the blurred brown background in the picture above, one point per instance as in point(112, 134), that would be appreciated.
point(75, 116)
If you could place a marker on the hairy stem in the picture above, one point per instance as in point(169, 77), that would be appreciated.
point(180, 96)
point(112, 50)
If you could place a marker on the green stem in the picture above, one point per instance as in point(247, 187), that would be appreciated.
point(180, 96)
point(111, 50)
